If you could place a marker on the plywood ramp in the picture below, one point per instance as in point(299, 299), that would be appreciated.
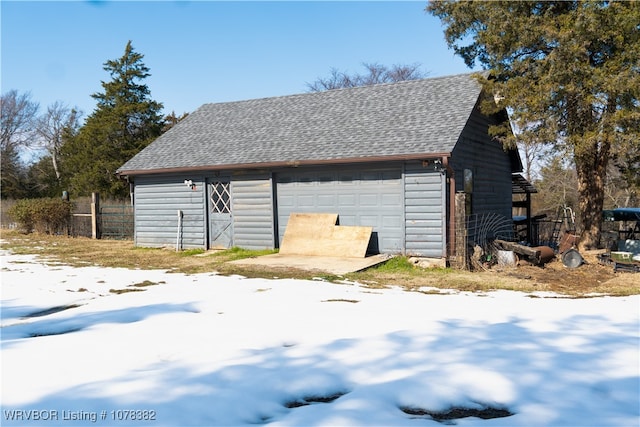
point(302, 227)
point(316, 234)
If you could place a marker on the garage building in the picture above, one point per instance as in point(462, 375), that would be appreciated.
point(389, 156)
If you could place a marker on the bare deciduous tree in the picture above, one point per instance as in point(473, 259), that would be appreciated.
point(623, 188)
point(375, 74)
point(18, 113)
point(59, 120)
point(16, 131)
point(531, 155)
point(557, 187)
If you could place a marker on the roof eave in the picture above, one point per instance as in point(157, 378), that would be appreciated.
point(281, 164)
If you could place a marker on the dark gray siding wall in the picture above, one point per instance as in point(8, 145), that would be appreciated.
point(490, 166)
point(425, 212)
point(157, 200)
point(252, 199)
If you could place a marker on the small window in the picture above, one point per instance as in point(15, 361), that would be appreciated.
point(220, 197)
point(468, 181)
point(468, 190)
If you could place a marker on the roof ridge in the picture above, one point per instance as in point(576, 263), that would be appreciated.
point(336, 90)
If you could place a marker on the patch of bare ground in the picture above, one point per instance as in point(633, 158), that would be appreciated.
point(592, 277)
point(589, 279)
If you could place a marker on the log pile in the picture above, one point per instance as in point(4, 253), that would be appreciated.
point(538, 255)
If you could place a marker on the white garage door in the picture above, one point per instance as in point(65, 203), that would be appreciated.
point(364, 197)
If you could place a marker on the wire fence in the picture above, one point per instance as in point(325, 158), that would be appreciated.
point(116, 221)
point(6, 221)
point(477, 233)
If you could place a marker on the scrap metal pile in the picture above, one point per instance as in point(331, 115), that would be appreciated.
point(624, 252)
point(493, 242)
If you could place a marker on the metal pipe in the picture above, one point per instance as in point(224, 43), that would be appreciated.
point(179, 230)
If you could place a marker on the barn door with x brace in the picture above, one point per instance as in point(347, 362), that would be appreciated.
point(220, 215)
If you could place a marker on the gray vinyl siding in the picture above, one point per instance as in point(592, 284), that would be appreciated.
point(253, 224)
point(157, 200)
point(490, 165)
point(425, 212)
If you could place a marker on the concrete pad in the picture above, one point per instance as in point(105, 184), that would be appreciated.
point(325, 264)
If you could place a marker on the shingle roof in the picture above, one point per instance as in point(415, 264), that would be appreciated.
point(396, 120)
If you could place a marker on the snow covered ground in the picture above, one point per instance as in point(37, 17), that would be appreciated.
point(212, 350)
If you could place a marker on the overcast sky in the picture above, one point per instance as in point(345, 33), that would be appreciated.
point(208, 51)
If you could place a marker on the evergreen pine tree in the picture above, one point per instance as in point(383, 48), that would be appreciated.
point(125, 121)
point(569, 72)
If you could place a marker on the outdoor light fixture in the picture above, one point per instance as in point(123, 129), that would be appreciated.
point(189, 183)
point(434, 164)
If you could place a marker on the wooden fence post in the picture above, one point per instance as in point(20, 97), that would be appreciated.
point(95, 215)
point(461, 231)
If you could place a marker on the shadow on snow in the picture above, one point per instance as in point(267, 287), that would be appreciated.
point(567, 376)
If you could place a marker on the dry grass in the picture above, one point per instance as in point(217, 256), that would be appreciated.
point(589, 279)
point(81, 251)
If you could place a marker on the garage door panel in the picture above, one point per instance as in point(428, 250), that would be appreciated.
point(391, 244)
point(370, 177)
point(391, 221)
point(326, 200)
point(347, 200)
point(286, 201)
point(368, 200)
point(347, 220)
point(392, 176)
point(394, 200)
point(304, 201)
point(360, 198)
point(369, 220)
